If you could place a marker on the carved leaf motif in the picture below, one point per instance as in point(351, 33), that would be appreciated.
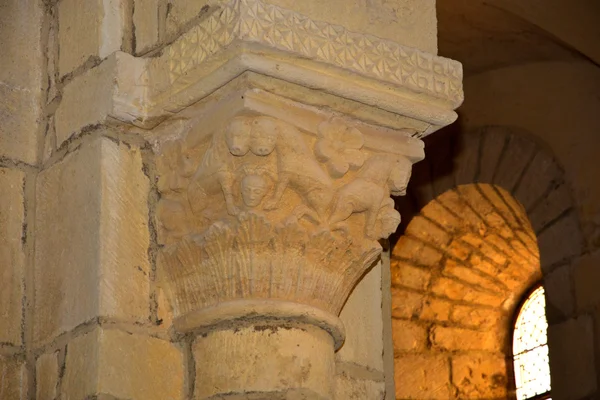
point(339, 146)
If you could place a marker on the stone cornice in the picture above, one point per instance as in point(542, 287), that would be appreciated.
point(251, 36)
point(257, 22)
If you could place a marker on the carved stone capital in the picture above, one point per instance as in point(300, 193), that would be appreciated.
point(284, 208)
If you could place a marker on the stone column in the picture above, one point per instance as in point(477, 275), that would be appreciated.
point(279, 137)
point(275, 187)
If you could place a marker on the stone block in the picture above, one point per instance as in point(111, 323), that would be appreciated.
point(493, 141)
point(436, 212)
point(517, 155)
point(561, 241)
point(466, 158)
point(122, 365)
point(20, 78)
point(477, 317)
point(12, 257)
point(586, 273)
point(46, 376)
point(146, 24)
point(436, 310)
point(423, 228)
point(404, 274)
point(559, 293)
point(571, 345)
point(537, 179)
point(452, 339)
point(550, 207)
point(92, 239)
point(349, 388)
point(88, 28)
point(362, 316)
point(181, 12)
point(422, 377)
point(18, 130)
point(13, 381)
point(109, 90)
point(406, 304)
point(408, 336)
point(269, 361)
point(412, 249)
point(480, 376)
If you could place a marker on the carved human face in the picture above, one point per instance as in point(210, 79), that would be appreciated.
point(237, 136)
point(254, 188)
point(264, 136)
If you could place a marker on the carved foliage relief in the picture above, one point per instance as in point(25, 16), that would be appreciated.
point(267, 211)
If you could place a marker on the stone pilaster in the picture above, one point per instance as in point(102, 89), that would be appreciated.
point(279, 139)
point(275, 186)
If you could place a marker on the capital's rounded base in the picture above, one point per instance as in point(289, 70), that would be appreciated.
point(265, 361)
point(239, 313)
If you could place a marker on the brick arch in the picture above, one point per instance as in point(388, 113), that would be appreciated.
point(457, 274)
point(488, 213)
point(509, 158)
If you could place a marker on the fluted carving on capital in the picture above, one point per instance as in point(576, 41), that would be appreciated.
point(264, 210)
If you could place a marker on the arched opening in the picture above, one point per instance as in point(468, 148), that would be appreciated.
point(458, 272)
point(530, 347)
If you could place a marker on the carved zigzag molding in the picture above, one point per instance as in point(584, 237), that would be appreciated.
point(275, 27)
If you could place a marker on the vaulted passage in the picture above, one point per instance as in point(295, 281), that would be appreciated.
point(457, 274)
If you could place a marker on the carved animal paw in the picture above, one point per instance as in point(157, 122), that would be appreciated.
point(233, 210)
point(271, 204)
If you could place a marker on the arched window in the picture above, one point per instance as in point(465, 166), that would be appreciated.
point(530, 348)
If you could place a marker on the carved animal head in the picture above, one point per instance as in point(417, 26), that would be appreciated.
point(237, 136)
point(399, 176)
point(264, 135)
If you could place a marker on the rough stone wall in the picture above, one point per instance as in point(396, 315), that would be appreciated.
point(457, 272)
point(82, 316)
point(521, 169)
point(557, 104)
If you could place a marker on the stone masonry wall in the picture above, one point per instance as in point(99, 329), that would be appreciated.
point(82, 315)
point(512, 159)
point(457, 272)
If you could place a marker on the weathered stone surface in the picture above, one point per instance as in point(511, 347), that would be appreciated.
point(88, 28)
point(550, 207)
point(586, 277)
point(480, 376)
point(20, 78)
point(122, 365)
point(406, 304)
point(493, 140)
point(266, 360)
point(559, 292)
point(517, 155)
point(404, 274)
point(362, 317)
point(436, 309)
point(181, 13)
point(13, 381)
point(146, 24)
point(561, 241)
point(349, 388)
point(571, 358)
point(452, 339)
point(476, 317)
point(540, 174)
point(46, 376)
point(92, 239)
point(408, 336)
point(422, 377)
point(111, 88)
point(12, 257)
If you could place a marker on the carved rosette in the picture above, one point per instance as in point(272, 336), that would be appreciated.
point(267, 212)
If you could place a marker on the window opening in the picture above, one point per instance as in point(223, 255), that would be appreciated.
point(530, 348)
